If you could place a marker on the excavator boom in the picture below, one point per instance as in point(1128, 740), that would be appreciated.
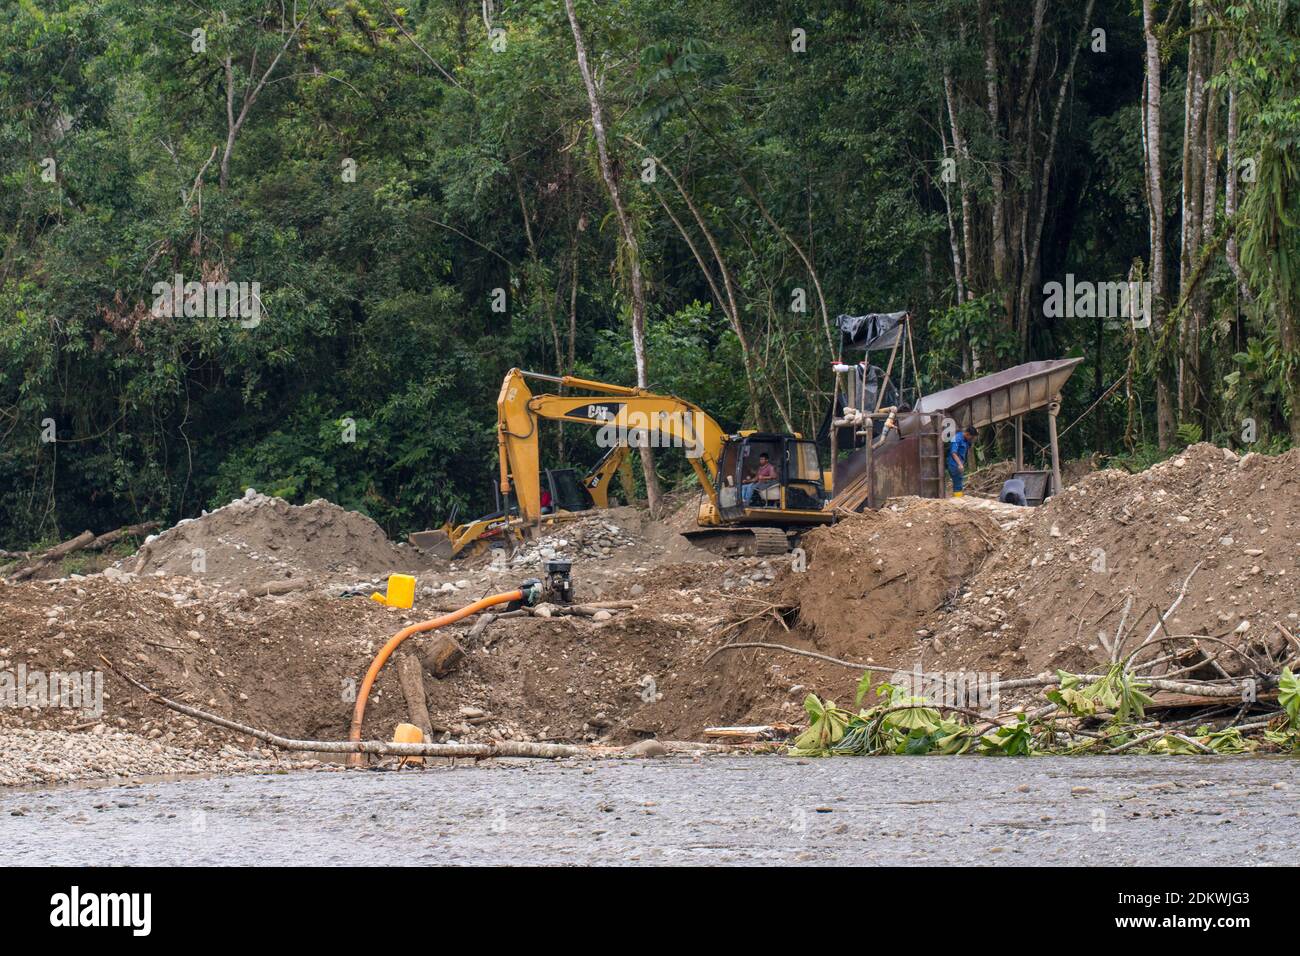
point(625, 416)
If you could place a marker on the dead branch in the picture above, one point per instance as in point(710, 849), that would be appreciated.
point(794, 650)
point(498, 748)
point(1182, 593)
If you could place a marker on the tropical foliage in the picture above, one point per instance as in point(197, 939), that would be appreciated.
point(418, 193)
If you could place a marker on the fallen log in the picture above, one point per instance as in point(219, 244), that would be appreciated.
point(29, 564)
point(498, 748)
point(442, 655)
point(749, 734)
point(411, 676)
point(1171, 699)
point(128, 531)
point(46, 558)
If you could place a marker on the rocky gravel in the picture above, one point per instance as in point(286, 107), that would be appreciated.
point(49, 757)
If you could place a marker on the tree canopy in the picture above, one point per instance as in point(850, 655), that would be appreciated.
point(414, 199)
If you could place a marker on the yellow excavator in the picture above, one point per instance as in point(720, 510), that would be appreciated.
point(569, 498)
point(761, 489)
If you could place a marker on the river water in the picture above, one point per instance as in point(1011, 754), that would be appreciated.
point(712, 810)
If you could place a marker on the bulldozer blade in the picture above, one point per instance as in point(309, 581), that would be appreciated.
point(437, 543)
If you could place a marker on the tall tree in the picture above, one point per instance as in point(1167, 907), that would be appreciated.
point(631, 248)
point(1156, 217)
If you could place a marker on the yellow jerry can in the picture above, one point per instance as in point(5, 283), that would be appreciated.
point(401, 591)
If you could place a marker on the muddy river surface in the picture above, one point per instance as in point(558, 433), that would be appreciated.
point(716, 810)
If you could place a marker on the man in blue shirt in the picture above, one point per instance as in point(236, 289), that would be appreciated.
point(957, 451)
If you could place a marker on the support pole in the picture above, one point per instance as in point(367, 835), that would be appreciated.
point(1054, 409)
point(884, 384)
point(835, 432)
point(1020, 443)
point(869, 473)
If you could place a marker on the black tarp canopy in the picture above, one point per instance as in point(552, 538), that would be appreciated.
point(875, 330)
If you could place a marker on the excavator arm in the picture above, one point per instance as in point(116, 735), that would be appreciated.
point(598, 480)
point(626, 416)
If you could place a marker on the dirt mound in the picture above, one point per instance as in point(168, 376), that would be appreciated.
point(956, 585)
point(945, 584)
point(622, 536)
point(1113, 540)
point(873, 579)
point(270, 662)
point(256, 539)
point(594, 536)
point(290, 663)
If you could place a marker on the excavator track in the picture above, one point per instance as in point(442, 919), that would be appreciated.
point(739, 542)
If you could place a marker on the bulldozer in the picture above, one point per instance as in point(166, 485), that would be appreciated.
point(747, 508)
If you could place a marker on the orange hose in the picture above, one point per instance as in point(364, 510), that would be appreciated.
point(359, 712)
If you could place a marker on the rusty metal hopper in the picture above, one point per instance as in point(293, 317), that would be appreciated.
point(1002, 395)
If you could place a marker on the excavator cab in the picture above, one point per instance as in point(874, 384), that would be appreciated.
point(567, 493)
point(796, 485)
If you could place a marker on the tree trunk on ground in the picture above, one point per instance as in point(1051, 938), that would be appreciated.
point(53, 554)
point(411, 676)
point(653, 494)
point(442, 655)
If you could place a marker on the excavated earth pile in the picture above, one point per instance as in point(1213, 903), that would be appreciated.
point(257, 539)
point(875, 578)
point(291, 664)
point(944, 585)
point(956, 584)
point(1055, 592)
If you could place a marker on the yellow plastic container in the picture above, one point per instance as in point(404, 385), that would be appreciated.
point(401, 591)
point(408, 734)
